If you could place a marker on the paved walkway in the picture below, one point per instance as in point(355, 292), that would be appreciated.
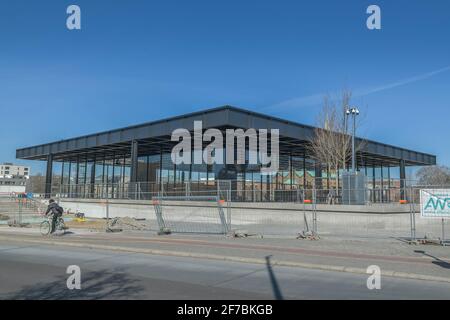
point(395, 257)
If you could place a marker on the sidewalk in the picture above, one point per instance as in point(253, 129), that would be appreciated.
point(394, 257)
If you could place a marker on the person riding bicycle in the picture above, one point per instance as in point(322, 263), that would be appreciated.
point(56, 211)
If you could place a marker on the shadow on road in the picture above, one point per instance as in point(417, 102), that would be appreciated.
point(437, 261)
point(103, 284)
point(273, 280)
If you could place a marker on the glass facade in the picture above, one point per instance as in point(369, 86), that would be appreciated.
point(110, 176)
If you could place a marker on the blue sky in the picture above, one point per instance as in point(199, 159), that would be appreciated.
point(136, 61)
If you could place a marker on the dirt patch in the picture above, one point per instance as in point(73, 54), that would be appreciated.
point(92, 224)
point(115, 223)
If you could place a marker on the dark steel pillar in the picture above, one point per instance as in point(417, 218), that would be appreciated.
point(389, 183)
point(48, 176)
point(374, 184)
point(69, 184)
point(402, 180)
point(61, 181)
point(160, 168)
point(134, 169)
point(291, 171)
point(381, 183)
point(77, 179)
point(92, 181)
point(111, 167)
point(304, 171)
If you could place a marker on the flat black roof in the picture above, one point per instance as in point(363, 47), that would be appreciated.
point(156, 134)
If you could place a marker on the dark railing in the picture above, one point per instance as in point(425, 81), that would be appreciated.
point(237, 191)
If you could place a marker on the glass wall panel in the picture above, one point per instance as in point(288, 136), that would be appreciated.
point(240, 185)
point(65, 179)
point(310, 173)
point(394, 176)
point(141, 170)
point(297, 172)
point(82, 172)
point(108, 171)
point(202, 176)
point(57, 178)
point(89, 185)
point(99, 172)
point(81, 185)
point(126, 173)
point(378, 185)
point(73, 179)
point(117, 176)
point(167, 173)
point(126, 178)
point(100, 184)
point(257, 188)
point(153, 173)
point(283, 176)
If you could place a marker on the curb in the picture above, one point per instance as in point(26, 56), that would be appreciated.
point(388, 273)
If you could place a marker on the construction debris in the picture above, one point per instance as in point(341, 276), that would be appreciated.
point(15, 224)
point(111, 230)
point(164, 231)
point(80, 217)
point(243, 234)
point(427, 239)
point(127, 223)
point(308, 235)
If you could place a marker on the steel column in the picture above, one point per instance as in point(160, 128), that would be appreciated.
point(402, 179)
point(134, 168)
point(92, 182)
point(49, 176)
point(304, 171)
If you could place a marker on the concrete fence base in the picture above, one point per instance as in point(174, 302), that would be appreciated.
point(284, 219)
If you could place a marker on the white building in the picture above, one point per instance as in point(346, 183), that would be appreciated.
point(9, 170)
point(16, 185)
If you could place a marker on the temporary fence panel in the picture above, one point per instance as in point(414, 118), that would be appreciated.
point(19, 208)
point(276, 219)
point(190, 214)
point(431, 220)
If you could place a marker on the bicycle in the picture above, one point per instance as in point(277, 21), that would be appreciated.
point(46, 226)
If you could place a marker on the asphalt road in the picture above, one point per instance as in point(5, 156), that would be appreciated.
point(39, 272)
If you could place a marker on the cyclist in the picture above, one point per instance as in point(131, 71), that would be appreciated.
point(56, 211)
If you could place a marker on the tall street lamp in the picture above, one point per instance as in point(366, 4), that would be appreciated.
point(354, 112)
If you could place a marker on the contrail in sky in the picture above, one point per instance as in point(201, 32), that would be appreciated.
point(317, 98)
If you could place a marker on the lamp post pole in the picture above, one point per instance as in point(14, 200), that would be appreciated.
point(354, 111)
point(344, 153)
point(353, 144)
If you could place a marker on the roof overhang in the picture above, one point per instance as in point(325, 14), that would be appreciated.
point(156, 135)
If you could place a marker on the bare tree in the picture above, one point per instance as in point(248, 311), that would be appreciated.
point(434, 176)
point(36, 184)
point(331, 144)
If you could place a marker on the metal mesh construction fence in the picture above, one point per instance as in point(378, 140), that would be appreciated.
point(190, 214)
point(430, 213)
point(18, 209)
point(281, 212)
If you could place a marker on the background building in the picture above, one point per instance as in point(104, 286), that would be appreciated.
point(135, 162)
point(13, 178)
point(9, 185)
point(9, 170)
